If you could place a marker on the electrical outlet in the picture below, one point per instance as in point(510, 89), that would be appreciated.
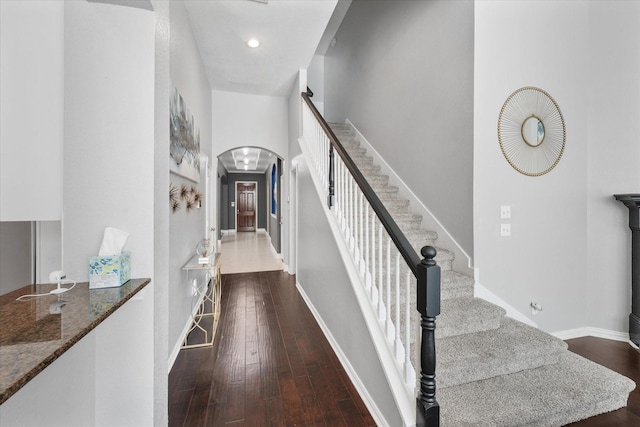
point(505, 212)
point(505, 230)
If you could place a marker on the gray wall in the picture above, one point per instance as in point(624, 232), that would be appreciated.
point(332, 295)
point(569, 248)
point(402, 72)
point(263, 197)
point(16, 267)
point(186, 228)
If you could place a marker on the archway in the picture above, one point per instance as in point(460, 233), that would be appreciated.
point(240, 171)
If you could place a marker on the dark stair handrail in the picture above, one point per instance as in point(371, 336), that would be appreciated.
point(424, 268)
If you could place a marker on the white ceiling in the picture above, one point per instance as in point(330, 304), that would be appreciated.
point(289, 32)
point(247, 160)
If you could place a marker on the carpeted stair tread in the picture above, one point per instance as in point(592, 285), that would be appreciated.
point(386, 190)
point(460, 316)
point(513, 347)
point(394, 203)
point(551, 395)
point(419, 237)
point(455, 285)
point(378, 179)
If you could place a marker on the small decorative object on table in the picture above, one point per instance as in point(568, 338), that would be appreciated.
point(204, 249)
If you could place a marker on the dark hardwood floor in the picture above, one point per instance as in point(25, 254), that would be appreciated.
point(622, 358)
point(272, 366)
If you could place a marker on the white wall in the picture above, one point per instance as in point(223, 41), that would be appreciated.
point(613, 157)
point(402, 73)
point(31, 110)
point(68, 383)
point(241, 120)
point(567, 230)
point(315, 74)
point(161, 216)
point(108, 150)
point(294, 129)
point(109, 181)
point(186, 228)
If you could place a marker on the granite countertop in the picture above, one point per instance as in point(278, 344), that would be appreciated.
point(35, 332)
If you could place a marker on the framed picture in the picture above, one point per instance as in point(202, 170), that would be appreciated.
point(274, 190)
point(184, 150)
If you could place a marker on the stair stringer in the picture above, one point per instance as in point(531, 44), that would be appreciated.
point(404, 395)
point(462, 261)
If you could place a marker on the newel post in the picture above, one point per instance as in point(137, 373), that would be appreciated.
point(632, 201)
point(427, 408)
point(331, 197)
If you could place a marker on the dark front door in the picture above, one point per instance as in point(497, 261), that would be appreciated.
point(246, 203)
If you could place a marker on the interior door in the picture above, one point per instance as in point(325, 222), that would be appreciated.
point(246, 203)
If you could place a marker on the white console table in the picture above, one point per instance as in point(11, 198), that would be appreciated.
point(208, 297)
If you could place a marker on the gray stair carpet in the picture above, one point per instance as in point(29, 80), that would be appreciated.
point(493, 370)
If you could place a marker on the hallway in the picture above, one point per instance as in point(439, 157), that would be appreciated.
point(270, 365)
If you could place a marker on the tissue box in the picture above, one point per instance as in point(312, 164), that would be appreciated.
point(109, 271)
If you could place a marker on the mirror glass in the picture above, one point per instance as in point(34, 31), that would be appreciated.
point(533, 131)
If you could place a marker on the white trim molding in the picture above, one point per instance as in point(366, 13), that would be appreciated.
point(351, 372)
point(590, 331)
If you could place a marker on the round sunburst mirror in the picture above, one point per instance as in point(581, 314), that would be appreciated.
point(531, 131)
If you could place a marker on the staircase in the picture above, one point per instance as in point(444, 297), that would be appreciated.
point(493, 370)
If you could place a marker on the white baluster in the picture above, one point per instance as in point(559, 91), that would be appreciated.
point(361, 219)
point(387, 304)
point(380, 282)
point(398, 339)
point(354, 206)
point(367, 261)
point(325, 160)
point(374, 264)
point(409, 372)
point(338, 186)
point(349, 212)
point(342, 202)
point(356, 209)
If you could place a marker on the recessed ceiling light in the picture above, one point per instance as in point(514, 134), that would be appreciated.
point(246, 167)
point(246, 161)
point(245, 151)
point(253, 43)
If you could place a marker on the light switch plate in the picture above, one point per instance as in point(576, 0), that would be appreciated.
point(505, 212)
point(505, 230)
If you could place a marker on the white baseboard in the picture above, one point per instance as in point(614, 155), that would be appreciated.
point(353, 376)
point(479, 291)
point(273, 250)
point(589, 331)
point(178, 345)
